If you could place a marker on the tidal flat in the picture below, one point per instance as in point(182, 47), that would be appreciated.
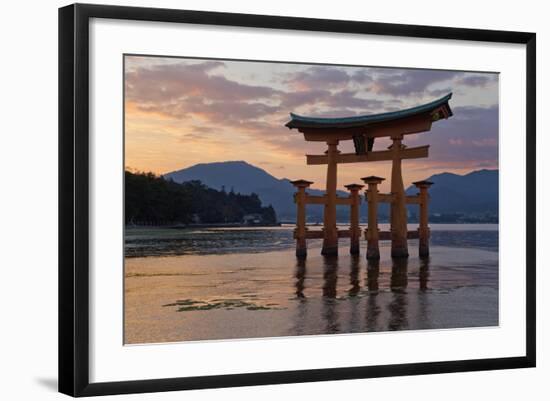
point(269, 293)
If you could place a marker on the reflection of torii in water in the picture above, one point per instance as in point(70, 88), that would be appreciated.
point(374, 320)
point(363, 130)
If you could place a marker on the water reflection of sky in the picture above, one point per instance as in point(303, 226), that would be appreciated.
point(395, 295)
point(246, 295)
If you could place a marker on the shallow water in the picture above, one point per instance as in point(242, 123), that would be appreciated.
point(239, 294)
point(148, 241)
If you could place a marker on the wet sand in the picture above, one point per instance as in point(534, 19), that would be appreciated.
point(269, 294)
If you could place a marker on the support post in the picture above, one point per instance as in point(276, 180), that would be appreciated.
point(354, 228)
point(398, 215)
point(423, 228)
point(300, 230)
point(330, 233)
point(373, 250)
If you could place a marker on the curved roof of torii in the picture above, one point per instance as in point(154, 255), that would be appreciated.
point(298, 121)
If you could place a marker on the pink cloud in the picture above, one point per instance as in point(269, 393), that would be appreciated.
point(205, 97)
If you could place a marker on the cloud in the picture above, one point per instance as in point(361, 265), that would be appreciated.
point(436, 93)
point(192, 91)
point(384, 81)
point(349, 98)
point(476, 80)
point(325, 103)
point(198, 93)
point(293, 100)
point(434, 83)
point(318, 77)
point(407, 82)
point(474, 130)
point(361, 76)
point(173, 82)
point(211, 103)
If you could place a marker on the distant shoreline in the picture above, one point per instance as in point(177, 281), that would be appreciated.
point(201, 225)
point(285, 224)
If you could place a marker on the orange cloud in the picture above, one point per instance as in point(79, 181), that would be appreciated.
point(190, 112)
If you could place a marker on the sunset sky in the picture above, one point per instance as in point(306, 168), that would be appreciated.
point(180, 112)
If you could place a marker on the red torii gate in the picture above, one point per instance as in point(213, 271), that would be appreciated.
point(363, 130)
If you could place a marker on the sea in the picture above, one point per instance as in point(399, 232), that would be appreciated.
point(158, 241)
point(195, 284)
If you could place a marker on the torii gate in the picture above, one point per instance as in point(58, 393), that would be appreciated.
point(363, 130)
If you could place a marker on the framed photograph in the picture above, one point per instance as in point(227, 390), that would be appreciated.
point(251, 199)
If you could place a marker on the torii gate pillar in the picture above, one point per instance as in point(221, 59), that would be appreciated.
point(373, 251)
point(330, 232)
point(301, 231)
point(423, 229)
point(354, 228)
point(398, 214)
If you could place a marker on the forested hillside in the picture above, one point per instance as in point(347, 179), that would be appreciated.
point(150, 199)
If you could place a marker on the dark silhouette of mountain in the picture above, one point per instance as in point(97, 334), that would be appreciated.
point(473, 193)
point(242, 177)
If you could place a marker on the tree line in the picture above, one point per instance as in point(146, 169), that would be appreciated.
point(154, 200)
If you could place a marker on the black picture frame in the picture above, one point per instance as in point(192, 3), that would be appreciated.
point(74, 198)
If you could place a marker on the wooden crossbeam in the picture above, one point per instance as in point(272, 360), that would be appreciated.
point(343, 201)
point(373, 156)
point(382, 235)
point(318, 234)
point(316, 199)
point(388, 198)
point(385, 198)
point(322, 199)
point(412, 234)
point(386, 235)
point(344, 233)
point(413, 199)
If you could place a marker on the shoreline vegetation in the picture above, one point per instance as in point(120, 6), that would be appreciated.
point(204, 225)
point(151, 200)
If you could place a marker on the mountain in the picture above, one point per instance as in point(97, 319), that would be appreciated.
point(472, 193)
point(242, 177)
